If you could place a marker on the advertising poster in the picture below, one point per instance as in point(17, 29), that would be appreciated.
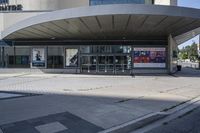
point(149, 57)
point(71, 58)
point(38, 56)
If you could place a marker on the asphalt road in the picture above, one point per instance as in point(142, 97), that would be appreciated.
point(189, 123)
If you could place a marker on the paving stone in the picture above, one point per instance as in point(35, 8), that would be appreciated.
point(51, 128)
point(47, 119)
point(1, 131)
point(36, 122)
point(19, 127)
point(66, 131)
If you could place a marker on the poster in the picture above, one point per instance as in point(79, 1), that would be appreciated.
point(38, 57)
point(149, 57)
point(71, 58)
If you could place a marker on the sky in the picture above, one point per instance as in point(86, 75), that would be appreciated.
point(193, 4)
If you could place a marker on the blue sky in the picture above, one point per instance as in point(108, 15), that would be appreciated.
point(189, 3)
point(193, 4)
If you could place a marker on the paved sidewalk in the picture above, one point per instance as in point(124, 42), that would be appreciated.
point(100, 102)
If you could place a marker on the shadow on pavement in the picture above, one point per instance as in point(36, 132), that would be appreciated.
point(80, 113)
point(188, 72)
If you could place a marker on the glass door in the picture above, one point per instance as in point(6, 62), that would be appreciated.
point(106, 64)
point(89, 64)
point(55, 62)
point(123, 64)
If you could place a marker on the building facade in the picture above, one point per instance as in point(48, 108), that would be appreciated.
point(93, 36)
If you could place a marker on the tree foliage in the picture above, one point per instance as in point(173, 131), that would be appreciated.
point(189, 52)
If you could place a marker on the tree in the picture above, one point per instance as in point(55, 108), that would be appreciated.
point(189, 52)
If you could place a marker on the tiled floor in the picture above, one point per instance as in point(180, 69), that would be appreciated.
point(57, 123)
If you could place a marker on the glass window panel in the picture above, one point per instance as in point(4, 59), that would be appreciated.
point(105, 49)
point(103, 2)
point(88, 49)
point(56, 51)
point(122, 49)
point(88, 63)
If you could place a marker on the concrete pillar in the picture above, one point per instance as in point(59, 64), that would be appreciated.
point(3, 56)
point(172, 55)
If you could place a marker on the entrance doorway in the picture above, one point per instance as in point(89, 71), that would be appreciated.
point(123, 64)
point(106, 59)
point(106, 64)
point(55, 62)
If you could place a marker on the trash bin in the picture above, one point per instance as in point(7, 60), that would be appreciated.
point(179, 67)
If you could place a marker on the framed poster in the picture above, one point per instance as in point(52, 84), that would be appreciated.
point(149, 57)
point(71, 56)
point(38, 57)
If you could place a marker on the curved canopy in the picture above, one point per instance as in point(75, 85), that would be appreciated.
point(121, 21)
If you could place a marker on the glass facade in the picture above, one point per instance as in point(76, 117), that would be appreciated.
point(17, 57)
point(104, 2)
point(4, 1)
point(100, 58)
point(108, 59)
point(55, 57)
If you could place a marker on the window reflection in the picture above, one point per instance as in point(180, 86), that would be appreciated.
point(104, 2)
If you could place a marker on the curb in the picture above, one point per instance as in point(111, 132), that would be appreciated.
point(153, 117)
point(135, 124)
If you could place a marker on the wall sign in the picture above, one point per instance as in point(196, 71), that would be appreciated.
point(38, 57)
point(149, 57)
point(5, 6)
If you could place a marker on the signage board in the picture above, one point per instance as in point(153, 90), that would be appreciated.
point(38, 57)
point(5, 6)
point(149, 57)
point(71, 57)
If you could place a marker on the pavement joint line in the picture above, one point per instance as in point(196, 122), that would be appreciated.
point(15, 76)
point(143, 121)
point(46, 78)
